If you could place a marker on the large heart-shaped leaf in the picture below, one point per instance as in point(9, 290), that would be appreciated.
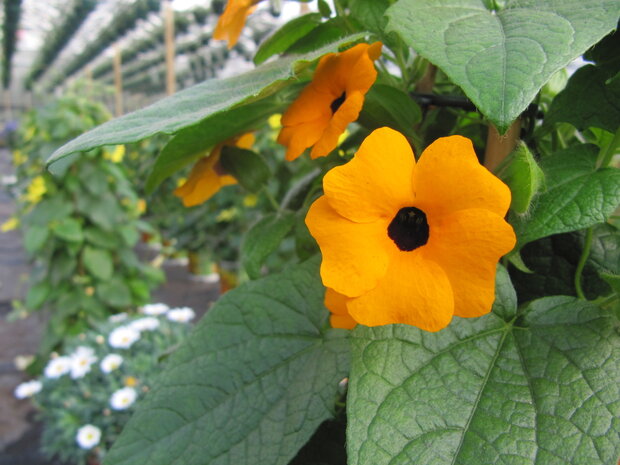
point(250, 385)
point(196, 103)
point(501, 58)
point(541, 389)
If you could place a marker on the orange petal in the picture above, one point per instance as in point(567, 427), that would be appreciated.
point(376, 182)
point(310, 105)
point(246, 141)
point(355, 256)
point(448, 177)
point(468, 244)
point(336, 303)
point(347, 113)
point(414, 291)
point(199, 189)
point(299, 138)
point(232, 21)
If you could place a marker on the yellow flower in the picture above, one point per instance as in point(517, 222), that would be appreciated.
point(10, 224)
point(29, 134)
point(407, 242)
point(226, 215)
point(207, 176)
point(231, 22)
point(116, 156)
point(36, 190)
point(19, 158)
point(275, 121)
point(250, 200)
point(330, 102)
point(140, 206)
point(130, 381)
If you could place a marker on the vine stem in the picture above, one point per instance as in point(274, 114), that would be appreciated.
point(499, 147)
point(274, 203)
point(608, 152)
point(585, 253)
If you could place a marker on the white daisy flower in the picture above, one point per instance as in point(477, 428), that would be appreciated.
point(155, 309)
point(117, 318)
point(181, 314)
point(123, 398)
point(110, 363)
point(88, 436)
point(81, 361)
point(27, 389)
point(123, 337)
point(57, 367)
point(148, 323)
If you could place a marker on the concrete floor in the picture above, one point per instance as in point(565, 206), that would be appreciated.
point(19, 432)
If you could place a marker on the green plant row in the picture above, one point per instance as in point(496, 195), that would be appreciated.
point(121, 23)
point(57, 38)
point(12, 13)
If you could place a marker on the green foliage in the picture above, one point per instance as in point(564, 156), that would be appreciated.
point(502, 56)
point(80, 227)
point(191, 106)
point(577, 196)
point(265, 354)
point(537, 386)
point(10, 24)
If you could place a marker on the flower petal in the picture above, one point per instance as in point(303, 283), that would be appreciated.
point(448, 177)
point(414, 291)
point(376, 183)
point(468, 244)
point(299, 138)
point(355, 256)
point(336, 303)
point(347, 113)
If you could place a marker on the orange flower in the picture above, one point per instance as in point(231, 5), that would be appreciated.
point(407, 242)
point(330, 102)
point(231, 22)
point(207, 176)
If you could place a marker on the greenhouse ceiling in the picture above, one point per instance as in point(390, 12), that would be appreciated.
point(57, 41)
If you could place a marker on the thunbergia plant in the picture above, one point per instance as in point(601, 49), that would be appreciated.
point(446, 193)
point(87, 393)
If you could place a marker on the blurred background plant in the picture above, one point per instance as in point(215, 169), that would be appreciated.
point(80, 223)
point(88, 391)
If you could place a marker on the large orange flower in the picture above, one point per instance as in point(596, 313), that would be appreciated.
point(330, 102)
point(407, 242)
point(231, 22)
point(207, 176)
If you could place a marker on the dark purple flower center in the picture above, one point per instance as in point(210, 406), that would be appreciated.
point(409, 229)
point(338, 102)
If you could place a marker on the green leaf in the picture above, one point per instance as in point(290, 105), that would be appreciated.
point(189, 143)
point(590, 99)
point(35, 237)
point(98, 262)
point(262, 239)
point(69, 229)
point(329, 31)
point(114, 292)
point(501, 58)
point(286, 36)
point(130, 234)
point(578, 196)
point(523, 176)
point(101, 238)
point(252, 383)
point(541, 390)
point(505, 305)
point(37, 294)
point(370, 14)
point(389, 106)
point(245, 166)
point(192, 105)
point(103, 210)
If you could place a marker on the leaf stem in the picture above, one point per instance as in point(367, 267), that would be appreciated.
point(585, 253)
point(607, 153)
point(274, 203)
